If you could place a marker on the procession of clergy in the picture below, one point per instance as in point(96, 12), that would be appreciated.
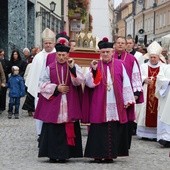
point(120, 89)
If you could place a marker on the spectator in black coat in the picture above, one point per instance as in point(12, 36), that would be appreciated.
point(16, 60)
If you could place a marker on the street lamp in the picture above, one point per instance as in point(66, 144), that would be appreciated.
point(52, 9)
point(52, 6)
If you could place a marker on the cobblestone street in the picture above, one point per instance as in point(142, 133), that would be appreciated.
point(18, 150)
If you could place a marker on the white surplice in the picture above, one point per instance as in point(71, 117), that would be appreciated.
point(142, 130)
point(163, 94)
point(139, 57)
point(32, 82)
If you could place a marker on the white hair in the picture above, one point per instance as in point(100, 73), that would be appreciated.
point(26, 49)
point(15, 68)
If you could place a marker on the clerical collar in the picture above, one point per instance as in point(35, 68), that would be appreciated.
point(154, 65)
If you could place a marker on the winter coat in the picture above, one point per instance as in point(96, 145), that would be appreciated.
point(16, 86)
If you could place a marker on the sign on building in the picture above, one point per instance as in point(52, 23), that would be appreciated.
point(75, 26)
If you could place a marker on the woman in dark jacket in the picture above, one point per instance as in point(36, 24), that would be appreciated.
point(16, 60)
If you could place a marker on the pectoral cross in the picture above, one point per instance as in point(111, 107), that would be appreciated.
point(152, 78)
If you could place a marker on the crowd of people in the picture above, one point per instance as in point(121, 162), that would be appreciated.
point(124, 93)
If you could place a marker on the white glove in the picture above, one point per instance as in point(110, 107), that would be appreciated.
point(71, 62)
point(94, 64)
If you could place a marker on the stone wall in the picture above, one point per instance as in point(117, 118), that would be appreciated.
point(17, 24)
point(20, 24)
point(4, 25)
point(31, 25)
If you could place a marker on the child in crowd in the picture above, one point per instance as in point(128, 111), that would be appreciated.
point(16, 91)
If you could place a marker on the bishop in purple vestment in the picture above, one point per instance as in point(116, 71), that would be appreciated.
point(111, 94)
point(59, 108)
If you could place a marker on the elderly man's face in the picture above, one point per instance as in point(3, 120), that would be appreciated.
point(26, 53)
point(154, 59)
point(106, 54)
point(62, 57)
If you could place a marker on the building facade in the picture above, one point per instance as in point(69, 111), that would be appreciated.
point(22, 22)
point(125, 19)
point(152, 16)
point(45, 18)
point(17, 24)
point(102, 19)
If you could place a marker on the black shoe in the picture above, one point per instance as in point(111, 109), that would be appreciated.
point(96, 161)
point(52, 160)
point(9, 115)
point(149, 139)
point(165, 143)
point(108, 160)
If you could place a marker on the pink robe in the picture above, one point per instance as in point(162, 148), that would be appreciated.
point(94, 111)
point(128, 61)
point(48, 109)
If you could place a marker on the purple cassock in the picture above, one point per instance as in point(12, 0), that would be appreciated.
point(128, 61)
point(51, 58)
point(95, 111)
point(48, 110)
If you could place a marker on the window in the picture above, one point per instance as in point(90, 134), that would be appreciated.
point(53, 23)
point(50, 21)
point(160, 20)
point(43, 19)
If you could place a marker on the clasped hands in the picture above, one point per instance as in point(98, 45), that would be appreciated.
point(62, 88)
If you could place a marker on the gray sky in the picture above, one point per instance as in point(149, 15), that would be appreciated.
point(117, 2)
